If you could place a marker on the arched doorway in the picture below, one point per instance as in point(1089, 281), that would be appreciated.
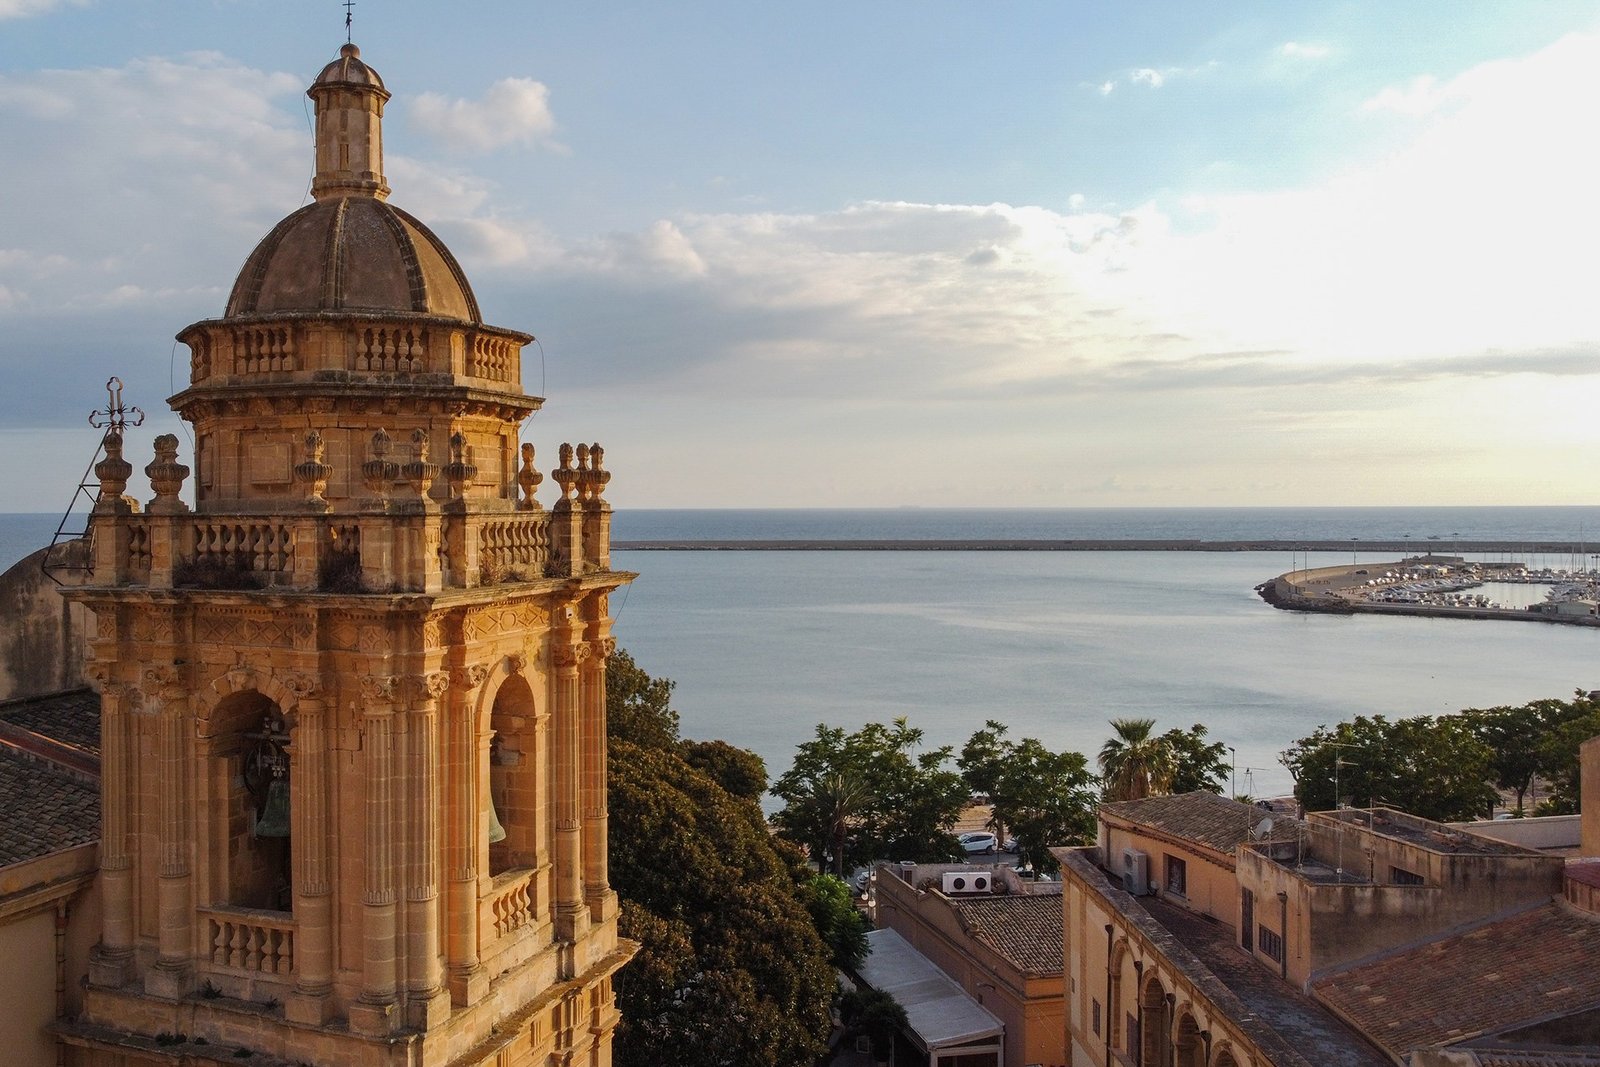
point(1225, 1059)
point(514, 778)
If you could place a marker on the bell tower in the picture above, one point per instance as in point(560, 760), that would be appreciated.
point(353, 699)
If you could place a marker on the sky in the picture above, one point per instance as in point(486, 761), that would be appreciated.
point(890, 254)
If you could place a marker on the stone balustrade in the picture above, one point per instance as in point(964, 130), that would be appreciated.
point(504, 913)
point(248, 951)
point(380, 545)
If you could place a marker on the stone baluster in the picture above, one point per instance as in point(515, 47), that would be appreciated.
point(596, 879)
point(311, 1002)
point(173, 973)
point(466, 828)
point(111, 963)
point(374, 1011)
point(571, 916)
point(427, 1000)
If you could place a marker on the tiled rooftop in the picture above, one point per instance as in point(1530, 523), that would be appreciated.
point(46, 810)
point(1294, 1017)
point(1025, 929)
point(1201, 817)
point(69, 718)
point(1533, 965)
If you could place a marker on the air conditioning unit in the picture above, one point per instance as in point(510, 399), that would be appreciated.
point(966, 882)
point(1135, 872)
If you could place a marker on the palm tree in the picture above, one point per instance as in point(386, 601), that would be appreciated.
point(1136, 762)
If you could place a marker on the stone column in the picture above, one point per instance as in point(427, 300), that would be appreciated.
point(427, 1001)
point(596, 884)
point(571, 915)
point(464, 827)
point(375, 1011)
point(173, 974)
point(112, 961)
point(311, 1002)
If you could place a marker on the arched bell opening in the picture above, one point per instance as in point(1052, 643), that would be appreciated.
point(513, 817)
point(248, 756)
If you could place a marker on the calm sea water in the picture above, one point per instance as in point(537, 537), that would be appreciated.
point(765, 645)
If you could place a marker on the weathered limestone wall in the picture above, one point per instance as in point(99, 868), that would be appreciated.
point(42, 637)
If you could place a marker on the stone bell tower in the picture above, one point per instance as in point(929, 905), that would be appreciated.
point(353, 701)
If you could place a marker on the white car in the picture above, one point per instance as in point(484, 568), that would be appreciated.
point(978, 841)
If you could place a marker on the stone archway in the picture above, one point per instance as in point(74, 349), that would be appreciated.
point(514, 776)
point(1189, 1046)
point(1225, 1059)
point(1154, 1035)
point(243, 751)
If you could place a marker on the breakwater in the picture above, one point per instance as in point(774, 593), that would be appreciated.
point(1096, 545)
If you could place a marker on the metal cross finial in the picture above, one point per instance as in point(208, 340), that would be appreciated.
point(115, 416)
point(349, 17)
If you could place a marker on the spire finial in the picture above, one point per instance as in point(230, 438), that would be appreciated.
point(349, 19)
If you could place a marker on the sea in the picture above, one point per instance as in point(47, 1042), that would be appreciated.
point(764, 646)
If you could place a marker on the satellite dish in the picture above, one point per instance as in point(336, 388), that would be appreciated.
point(1263, 828)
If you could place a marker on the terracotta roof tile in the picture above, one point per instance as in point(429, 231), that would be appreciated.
point(1025, 929)
point(70, 718)
point(1529, 966)
point(46, 810)
point(1201, 817)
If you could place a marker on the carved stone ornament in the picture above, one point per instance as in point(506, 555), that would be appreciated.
point(603, 647)
point(98, 675)
point(379, 472)
point(166, 476)
point(377, 689)
point(517, 663)
point(302, 686)
point(436, 683)
point(313, 473)
point(470, 676)
point(162, 681)
point(528, 478)
point(567, 656)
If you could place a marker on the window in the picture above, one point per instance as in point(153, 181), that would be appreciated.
point(1401, 876)
point(1094, 1016)
point(1177, 876)
point(1271, 944)
point(1247, 919)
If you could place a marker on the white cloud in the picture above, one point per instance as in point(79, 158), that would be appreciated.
point(1416, 98)
point(513, 111)
point(1155, 79)
point(21, 9)
point(1304, 50)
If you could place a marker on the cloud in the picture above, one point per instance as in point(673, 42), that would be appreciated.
point(21, 9)
point(1153, 77)
point(1304, 50)
point(513, 111)
point(1416, 98)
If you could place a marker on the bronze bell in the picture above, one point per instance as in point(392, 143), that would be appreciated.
point(496, 831)
point(274, 819)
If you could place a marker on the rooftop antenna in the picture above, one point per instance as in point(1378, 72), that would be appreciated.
point(349, 19)
point(113, 420)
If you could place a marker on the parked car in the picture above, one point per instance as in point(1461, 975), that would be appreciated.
point(978, 841)
point(1010, 845)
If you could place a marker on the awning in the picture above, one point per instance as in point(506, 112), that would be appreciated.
point(939, 1011)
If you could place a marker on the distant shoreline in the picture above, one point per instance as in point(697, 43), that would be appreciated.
point(1412, 547)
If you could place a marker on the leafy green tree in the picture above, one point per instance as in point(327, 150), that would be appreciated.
point(731, 968)
point(851, 798)
point(1432, 767)
point(1558, 754)
point(738, 770)
point(875, 1014)
point(1047, 798)
point(1134, 762)
point(1196, 764)
point(840, 923)
point(638, 707)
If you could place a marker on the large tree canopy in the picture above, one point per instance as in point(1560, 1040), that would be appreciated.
point(1432, 767)
point(1134, 762)
point(851, 798)
point(731, 969)
point(1044, 798)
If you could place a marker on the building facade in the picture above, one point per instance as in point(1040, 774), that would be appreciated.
point(353, 700)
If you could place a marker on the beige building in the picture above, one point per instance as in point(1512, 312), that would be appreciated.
point(1000, 945)
point(353, 699)
point(1201, 933)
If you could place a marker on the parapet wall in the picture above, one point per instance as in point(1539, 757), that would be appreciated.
point(43, 638)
